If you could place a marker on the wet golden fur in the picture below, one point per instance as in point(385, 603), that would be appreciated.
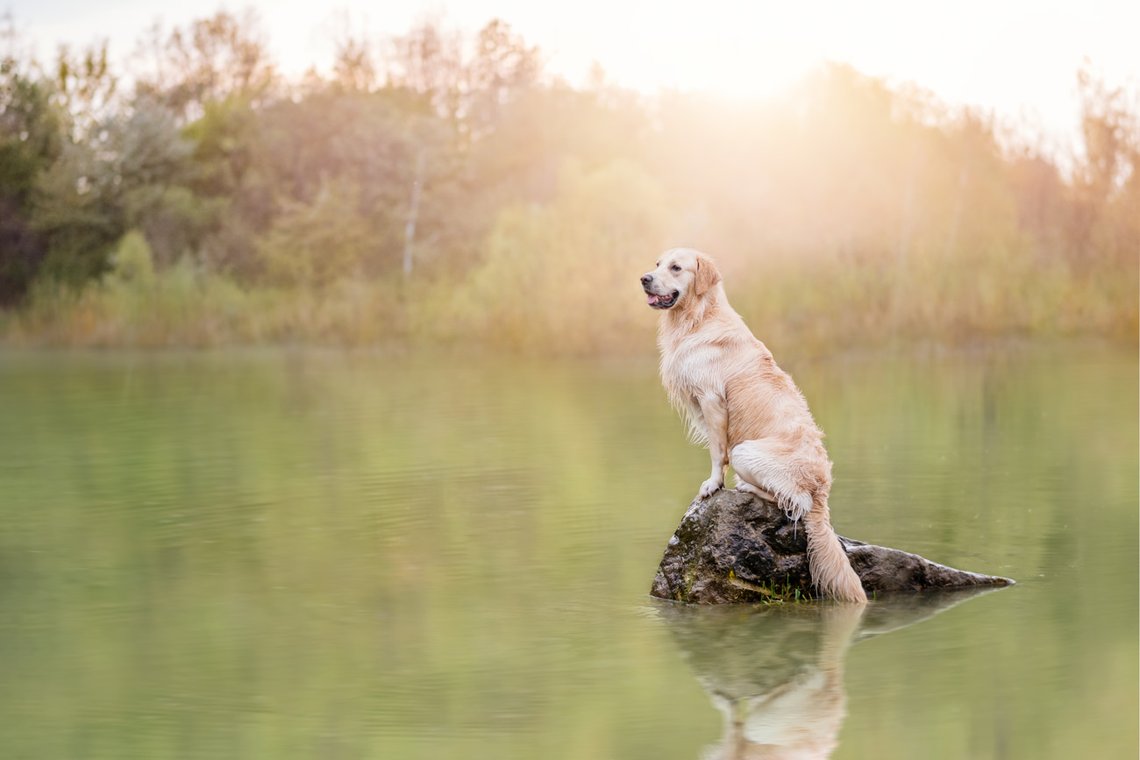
point(746, 409)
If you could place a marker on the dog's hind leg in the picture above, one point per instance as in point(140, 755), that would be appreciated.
point(744, 486)
point(767, 467)
point(801, 485)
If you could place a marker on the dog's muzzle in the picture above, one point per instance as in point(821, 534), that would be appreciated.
point(658, 300)
point(666, 301)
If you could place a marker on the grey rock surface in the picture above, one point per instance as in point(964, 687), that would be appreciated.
point(736, 548)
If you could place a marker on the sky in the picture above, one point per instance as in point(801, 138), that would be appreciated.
point(1015, 58)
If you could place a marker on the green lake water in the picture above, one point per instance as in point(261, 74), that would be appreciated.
point(309, 554)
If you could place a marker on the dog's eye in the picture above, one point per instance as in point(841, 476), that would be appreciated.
point(675, 268)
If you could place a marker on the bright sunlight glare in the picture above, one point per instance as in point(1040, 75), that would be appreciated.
point(1015, 59)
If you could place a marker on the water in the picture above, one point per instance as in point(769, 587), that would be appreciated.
point(319, 554)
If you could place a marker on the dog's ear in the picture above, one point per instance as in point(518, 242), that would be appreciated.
point(707, 275)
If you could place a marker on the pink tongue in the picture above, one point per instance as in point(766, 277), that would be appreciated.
point(653, 299)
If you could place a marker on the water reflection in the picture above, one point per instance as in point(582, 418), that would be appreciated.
point(776, 673)
point(315, 554)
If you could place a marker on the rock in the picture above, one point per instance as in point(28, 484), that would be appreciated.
point(734, 547)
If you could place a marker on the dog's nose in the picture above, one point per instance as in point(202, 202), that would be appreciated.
point(646, 279)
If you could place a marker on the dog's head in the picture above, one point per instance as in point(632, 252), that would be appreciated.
point(682, 276)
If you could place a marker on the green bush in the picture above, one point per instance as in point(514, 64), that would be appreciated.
point(311, 245)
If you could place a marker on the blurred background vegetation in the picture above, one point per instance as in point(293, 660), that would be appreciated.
point(443, 188)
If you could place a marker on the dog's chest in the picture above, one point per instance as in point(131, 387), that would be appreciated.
point(691, 368)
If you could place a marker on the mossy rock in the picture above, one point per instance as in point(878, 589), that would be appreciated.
point(736, 548)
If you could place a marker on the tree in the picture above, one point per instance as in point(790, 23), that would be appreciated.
point(150, 158)
point(428, 61)
point(503, 66)
point(381, 144)
point(354, 64)
point(546, 266)
point(1107, 182)
point(468, 90)
point(312, 245)
point(84, 87)
point(1111, 132)
point(77, 213)
point(30, 141)
point(209, 61)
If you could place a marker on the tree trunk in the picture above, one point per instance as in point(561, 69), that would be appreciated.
point(413, 212)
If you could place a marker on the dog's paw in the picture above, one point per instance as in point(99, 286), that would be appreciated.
point(709, 487)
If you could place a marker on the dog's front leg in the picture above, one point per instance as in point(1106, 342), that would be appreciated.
point(715, 416)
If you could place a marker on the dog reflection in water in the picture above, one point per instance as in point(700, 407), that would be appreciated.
point(776, 673)
point(800, 717)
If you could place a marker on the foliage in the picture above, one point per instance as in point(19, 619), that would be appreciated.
point(491, 202)
point(314, 244)
point(211, 60)
point(30, 142)
point(548, 266)
point(133, 262)
point(84, 86)
point(77, 214)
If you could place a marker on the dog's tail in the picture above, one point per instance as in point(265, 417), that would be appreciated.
point(831, 571)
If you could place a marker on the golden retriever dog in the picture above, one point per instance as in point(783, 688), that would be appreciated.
point(744, 408)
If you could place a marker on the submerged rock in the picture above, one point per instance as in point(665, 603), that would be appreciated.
point(734, 547)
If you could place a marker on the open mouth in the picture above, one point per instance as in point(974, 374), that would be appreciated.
point(662, 301)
